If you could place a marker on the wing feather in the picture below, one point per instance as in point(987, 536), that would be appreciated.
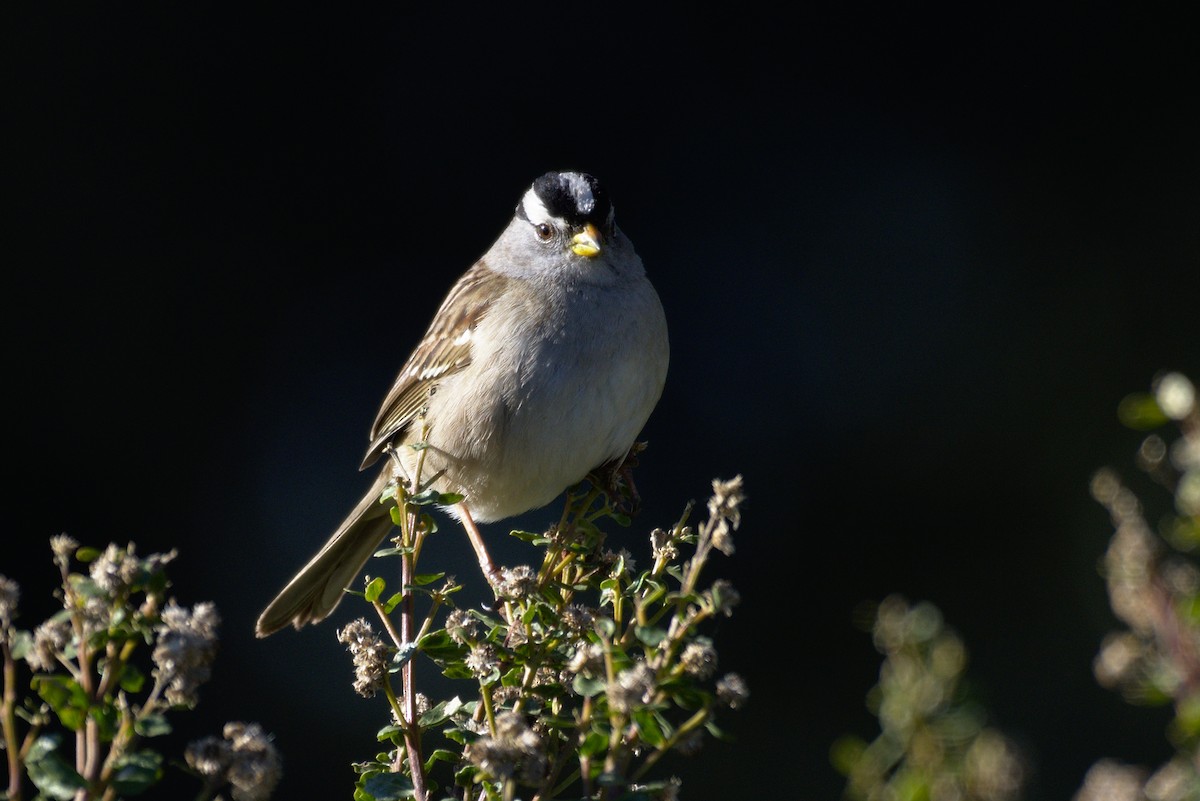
point(444, 350)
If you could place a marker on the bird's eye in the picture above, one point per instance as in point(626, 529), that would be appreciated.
point(543, 231)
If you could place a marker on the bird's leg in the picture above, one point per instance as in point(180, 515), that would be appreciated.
point(615, 480)
point(481, 553)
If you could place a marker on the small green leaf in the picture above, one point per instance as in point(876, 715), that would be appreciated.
point(1187, 717)
point(525, 536)
point(87, 554)
point(152, 726)
point(393, 602)
point(595, 743)
point(391, 551)
point(648, 726)
point(433, 497)
point(649, 635)
point(717, 732)
point(388, 787)
point(427, 578)
point(374, 589)
point(49, 772)
point(65, 697)
point(441, 755)
point(137, 772)
point(587, 687)
point(403, 654)
point(132, 679)
point(438, 645)
point(607, 626)
point(439, 713)
point(107, 720)
point(22, 641)
point(1140, 411)
point(455, 735)
point(391, 733)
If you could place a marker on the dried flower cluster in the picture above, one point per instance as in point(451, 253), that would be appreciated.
point(185, 650)
point(580, 679)
point(244, 759)
point(931, 744)
point(88, 682)
point(370, 654)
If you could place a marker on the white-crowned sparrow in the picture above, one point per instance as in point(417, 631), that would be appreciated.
point(543, 363)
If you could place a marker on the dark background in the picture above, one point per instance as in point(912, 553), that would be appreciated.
point(911, 262)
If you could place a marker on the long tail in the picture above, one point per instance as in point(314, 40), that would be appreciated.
point(316, 590)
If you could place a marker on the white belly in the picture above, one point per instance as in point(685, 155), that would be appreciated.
point(573, 402)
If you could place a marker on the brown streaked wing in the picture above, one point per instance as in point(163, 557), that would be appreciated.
point(444, 350)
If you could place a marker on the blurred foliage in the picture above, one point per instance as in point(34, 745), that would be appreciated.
point(1153, 582)
point(933, 744)
point(103, 673)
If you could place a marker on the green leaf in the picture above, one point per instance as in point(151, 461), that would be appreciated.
point(431, 497)
point(595, 743)
point(438, 645)
point(403, 654)
point(686, 694)
point(717, 732)
point(393, 602)
point(152, 726)
point(86, 587)
point(587, 687)
point(610, 590)
point(648, 726)
point(392, 551)
point(649, 635)
point(137, 772)
point(87, 554)
point(526, 536)
point(455, 670)
point(132, 678)
point(1187, 717)
point(374, 589)
point(391, 733)
point(388, 787)
point(107, 720)
point(440, 713)
point(1141, 411)
point(441, 755)
point(22, 641)
point(65, 697)
point(427, 578)
point(607, 626)
point(455, 735)
point(49, 772)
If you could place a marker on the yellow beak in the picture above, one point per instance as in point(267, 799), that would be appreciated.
point(587, 241)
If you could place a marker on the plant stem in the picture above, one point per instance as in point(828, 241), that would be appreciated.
point(9, 721)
